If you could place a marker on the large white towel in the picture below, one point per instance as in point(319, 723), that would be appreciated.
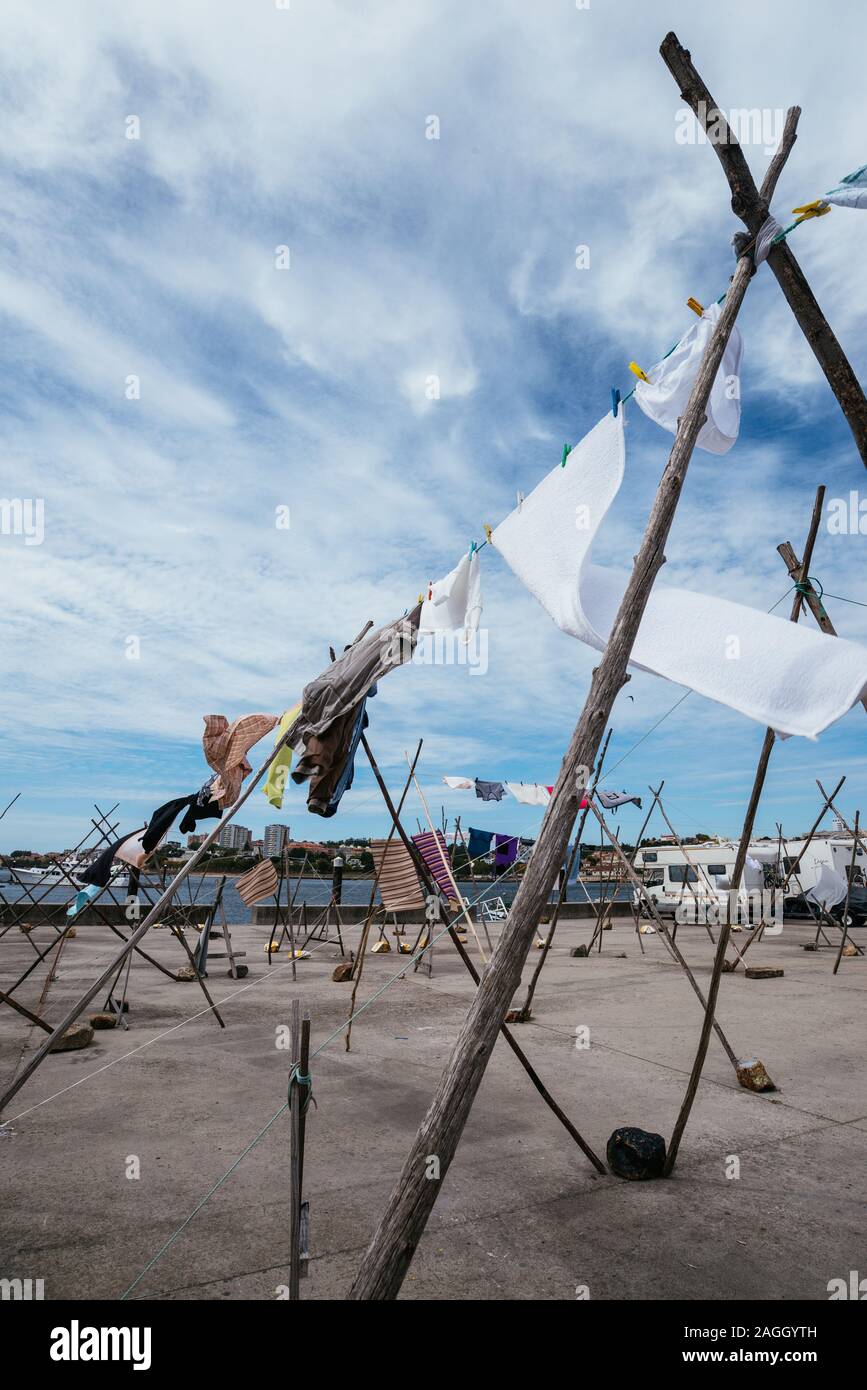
point(456, 601)
point(785, 675)
point(664, 397)
point(529, 793)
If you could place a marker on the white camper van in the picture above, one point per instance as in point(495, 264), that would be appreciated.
point(700, 874)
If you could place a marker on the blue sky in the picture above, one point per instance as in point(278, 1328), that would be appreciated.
point(306, 127)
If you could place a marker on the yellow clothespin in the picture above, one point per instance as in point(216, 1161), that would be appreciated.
point(636, 370)
point(694, 305)
point(817, 208)
point(421, 598)
point(487, 529)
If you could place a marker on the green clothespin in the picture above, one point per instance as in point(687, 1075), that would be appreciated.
point(565, 455)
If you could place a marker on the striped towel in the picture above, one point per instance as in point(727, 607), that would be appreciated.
point(432, 848)
point(398, 880)
point(257, 883)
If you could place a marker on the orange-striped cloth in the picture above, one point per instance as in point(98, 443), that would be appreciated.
point(257, 883)
point(398, 880)
point(225, 746)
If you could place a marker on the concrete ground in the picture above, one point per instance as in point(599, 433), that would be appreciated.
point(522, 1214)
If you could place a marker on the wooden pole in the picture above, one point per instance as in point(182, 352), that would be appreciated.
point(848, 894)
point(733, 965)
point(740, 860)
point(752, 205)
point(811, 598)
point(295, 1157)
point(387, 1260)
point(524, 1014)
point(428, 880)
point(767, 747)
point(362, 947)
point(668, 938)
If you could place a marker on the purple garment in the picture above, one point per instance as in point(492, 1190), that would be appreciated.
point(505, 850)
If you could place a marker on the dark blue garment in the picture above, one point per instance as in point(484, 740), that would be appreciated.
point(480, 842)
point(346, 776)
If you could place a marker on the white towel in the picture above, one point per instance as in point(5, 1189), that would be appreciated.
point(788, 676)
point(664, 398)
point(460, 784)
point(455, 601)
point(529, 793)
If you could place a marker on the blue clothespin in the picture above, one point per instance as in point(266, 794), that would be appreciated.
point(615, 401)
point(565, 455)
point(472, 550)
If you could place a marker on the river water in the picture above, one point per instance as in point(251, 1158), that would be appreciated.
point(315, 892)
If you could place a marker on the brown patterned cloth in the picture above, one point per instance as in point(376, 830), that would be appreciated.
point(225, 746)
point(257, 883)
point(322, 733)
point(398, 881)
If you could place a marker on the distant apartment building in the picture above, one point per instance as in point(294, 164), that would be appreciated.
point(193, 841)
point(234, 836)
point(274, 838)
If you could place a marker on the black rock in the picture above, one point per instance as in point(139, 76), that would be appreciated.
point(636, 1155)
point(579, 951)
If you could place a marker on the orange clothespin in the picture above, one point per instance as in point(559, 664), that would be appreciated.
point(694, 305)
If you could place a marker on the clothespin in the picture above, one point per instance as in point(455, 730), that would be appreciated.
point(694, 305)
point(520, 500)
point(817, 208)
point(429, 590)
point(636, 371)
point(487, 530)
point(565, 455)
point(421, 598)
point(472, 549)
point(615, 401)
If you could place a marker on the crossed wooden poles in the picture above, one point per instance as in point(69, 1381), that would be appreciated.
point(391, 1250)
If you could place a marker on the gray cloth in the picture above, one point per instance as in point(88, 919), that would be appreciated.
point(490, 791)
point(769, 229)
point(343, 685)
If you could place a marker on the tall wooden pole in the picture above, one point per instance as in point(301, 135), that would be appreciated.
point(770, 736)
point(719, 963)
point(387, 1260)
point(752, 205)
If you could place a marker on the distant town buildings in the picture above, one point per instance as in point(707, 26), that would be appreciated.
point(233, 836)
point(275, 835)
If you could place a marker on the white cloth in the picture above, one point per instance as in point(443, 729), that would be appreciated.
point(786, 675)
point(460, 784)
point(851, 192)
point(753, 876)
point(671, 381)
point(529, 793)
point(456, 601)
point(830, 888)
point(132, 851)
